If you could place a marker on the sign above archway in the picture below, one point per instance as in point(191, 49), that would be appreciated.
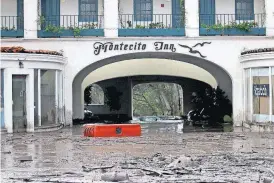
point(100, 47)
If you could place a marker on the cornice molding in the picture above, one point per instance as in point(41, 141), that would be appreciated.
point(33, 57)
point(257, 57)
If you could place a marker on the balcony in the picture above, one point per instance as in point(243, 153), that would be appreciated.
point(71, 18)
point(220, 18)
point(70, 26)
point(77, 18)
point(12, 20)
point(151, 18)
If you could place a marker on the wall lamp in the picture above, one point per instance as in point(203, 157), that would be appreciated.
point(21, 65)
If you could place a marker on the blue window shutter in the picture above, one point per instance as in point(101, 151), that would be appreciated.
point(207, 12)
point(51, 11)
point(244, 9)
point(143, 10)
point(85, 14)
point(20, 14)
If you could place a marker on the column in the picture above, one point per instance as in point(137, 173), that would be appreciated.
point(30, 101)
point(61, 101)
point(250, 93)
point(130, 95)
point(237, 100)
point(111, 18)
point(8, 100)
point(269, 10)
point(56, 96)
point(39, 97)
point(270, 95)
point(192, 18)
point(30, 19)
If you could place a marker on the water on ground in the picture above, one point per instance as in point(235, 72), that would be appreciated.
point(162, 154)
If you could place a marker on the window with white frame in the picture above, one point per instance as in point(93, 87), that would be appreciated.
point(259, 91)
point(88, 10)
point(143, 10)
point(260, 84)
point(248, 105)
point(244, 9)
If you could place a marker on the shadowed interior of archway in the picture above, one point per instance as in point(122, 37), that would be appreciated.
point(222, 77)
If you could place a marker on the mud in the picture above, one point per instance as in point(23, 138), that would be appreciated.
point(159, 155)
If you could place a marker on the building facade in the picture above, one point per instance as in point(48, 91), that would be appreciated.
point(222, 43)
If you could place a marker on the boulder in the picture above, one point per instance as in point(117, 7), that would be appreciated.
point(115, 176)
point(268, 180)
point(181, 162)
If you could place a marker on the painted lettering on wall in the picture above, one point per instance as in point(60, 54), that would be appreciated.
point(100, 47)
point(109, 46)
point(261, 90)
point(164, 46)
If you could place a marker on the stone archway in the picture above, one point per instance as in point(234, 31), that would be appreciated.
point(221, 75)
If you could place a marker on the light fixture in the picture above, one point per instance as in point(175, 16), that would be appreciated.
point(21, 65)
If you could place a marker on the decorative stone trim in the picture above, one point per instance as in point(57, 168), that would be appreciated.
point(260, 50)
point(19, 49)
point(33, 57)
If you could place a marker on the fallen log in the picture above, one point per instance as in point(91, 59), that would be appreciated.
point(87, 169)
point(262, 158)
point(153, 172)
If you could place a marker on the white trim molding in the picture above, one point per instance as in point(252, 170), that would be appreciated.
point(33, 57)
point(264, 59)
point(33, 61)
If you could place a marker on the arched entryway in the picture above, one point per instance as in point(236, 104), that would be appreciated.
point(222, 77)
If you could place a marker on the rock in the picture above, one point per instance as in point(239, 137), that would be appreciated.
point(139, 173)
point(181, 162)
point(161, 158)
point(157, 155)
point(158, 159)
point(268, 180)
point(115, 176)
point(6, 152)
point(47, 161)
point(16, 138)
point(169, 159)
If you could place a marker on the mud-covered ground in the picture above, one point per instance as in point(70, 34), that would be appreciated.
point(159, 155)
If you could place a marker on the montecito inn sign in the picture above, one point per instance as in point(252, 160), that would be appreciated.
point(100, 47)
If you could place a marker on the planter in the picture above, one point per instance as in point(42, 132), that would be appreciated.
point(227, 127)
point(233, 32)
point(12, 33)
point(70, 33)
point(151, 32)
